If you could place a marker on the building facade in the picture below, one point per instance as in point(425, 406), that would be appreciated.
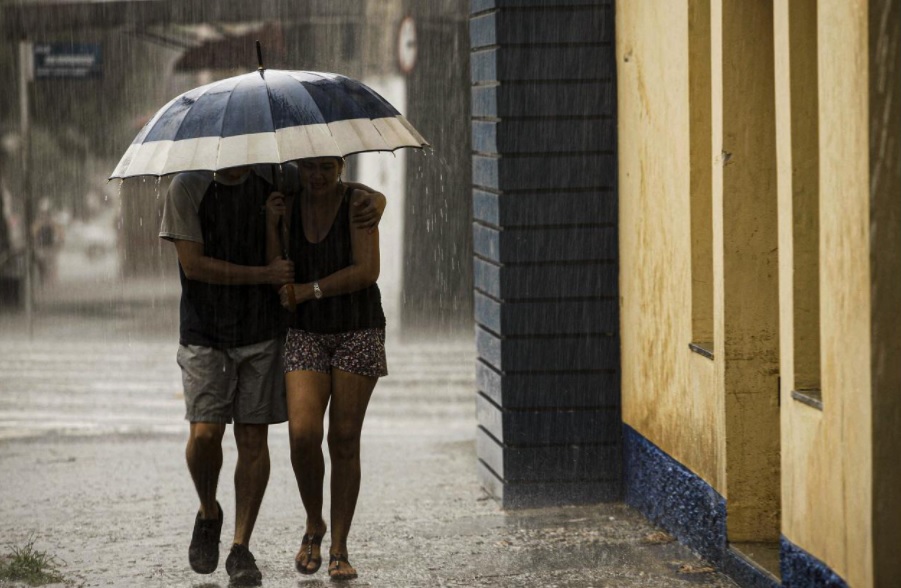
point(759, 243)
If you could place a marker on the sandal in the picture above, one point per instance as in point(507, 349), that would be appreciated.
point(306, 548)
point(339, 557)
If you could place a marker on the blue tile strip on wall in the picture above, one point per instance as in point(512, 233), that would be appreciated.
point(800, 569)
point(676, 499)
point(673, 497)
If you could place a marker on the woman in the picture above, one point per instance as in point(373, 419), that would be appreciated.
point(335, 348)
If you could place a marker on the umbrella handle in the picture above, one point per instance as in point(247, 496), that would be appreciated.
point(292, 300)
point(283, 241)
point(282, 227)
point(283, 237)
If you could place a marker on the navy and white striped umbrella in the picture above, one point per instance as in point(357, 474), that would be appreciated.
point(268, 116)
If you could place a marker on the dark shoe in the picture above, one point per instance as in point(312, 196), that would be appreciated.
point(242, 567)
point(203, 554)
point(335, 572)
point(306, 548)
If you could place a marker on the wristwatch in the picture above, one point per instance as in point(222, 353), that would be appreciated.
point(317, 292)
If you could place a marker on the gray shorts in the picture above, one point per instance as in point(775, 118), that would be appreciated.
point(242, 384)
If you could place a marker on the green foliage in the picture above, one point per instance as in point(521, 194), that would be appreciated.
point(27, 564)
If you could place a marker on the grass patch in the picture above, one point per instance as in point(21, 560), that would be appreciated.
point(27, 564)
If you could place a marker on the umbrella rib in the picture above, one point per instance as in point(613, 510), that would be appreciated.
point(372, 93)
point(319, 110)
point(380, 135)
point(222, 123)
point(278, 154)
point(205, 90)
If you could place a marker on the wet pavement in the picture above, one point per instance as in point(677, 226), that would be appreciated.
point(92, 458)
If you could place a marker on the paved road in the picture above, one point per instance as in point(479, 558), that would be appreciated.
point(92, 445)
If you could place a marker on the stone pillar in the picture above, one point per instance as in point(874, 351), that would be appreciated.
point(545, 249)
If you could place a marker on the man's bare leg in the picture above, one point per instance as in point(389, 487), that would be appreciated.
point(204, 456)
point(251, 477)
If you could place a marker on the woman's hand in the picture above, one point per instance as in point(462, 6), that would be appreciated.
point(276, 208)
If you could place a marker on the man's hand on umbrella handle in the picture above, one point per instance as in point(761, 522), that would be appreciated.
point(276, 208)
point(280, 271)
point(367, 212)
point(287, 298)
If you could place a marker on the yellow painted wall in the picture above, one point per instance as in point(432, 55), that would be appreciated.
point(826, 456)
point(668, 391)
point(690, 406)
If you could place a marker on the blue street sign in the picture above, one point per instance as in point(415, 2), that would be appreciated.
point(68, 60)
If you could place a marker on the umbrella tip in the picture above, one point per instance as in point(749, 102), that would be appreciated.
point(259, 55)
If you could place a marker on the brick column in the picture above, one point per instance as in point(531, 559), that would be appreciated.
point(545, 248)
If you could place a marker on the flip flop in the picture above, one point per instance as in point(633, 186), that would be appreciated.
point(339, 557)
point(306, 547)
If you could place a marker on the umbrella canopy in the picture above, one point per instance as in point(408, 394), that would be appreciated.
point(268, 116)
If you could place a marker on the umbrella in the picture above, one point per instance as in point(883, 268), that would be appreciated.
point(266, 117)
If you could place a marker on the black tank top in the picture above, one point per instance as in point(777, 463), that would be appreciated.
point(314, 261)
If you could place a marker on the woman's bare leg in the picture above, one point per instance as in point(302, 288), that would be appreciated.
point(350, 397)
point(308, 396)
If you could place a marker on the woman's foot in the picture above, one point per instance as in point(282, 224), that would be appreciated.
point(309, 556)
point(339, 569)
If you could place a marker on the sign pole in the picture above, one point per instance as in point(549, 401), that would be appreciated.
point(25, 77)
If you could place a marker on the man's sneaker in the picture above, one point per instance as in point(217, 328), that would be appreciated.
point(204, 551)
point(242, 567)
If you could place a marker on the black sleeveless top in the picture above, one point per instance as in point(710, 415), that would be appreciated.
point(313, 261)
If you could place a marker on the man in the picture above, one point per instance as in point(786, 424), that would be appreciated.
point(230, 345)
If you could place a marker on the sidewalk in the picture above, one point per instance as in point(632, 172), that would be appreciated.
point(92, 454)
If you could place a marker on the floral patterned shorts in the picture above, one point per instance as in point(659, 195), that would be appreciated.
point(358, 352)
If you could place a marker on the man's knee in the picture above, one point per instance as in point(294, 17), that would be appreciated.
point(206, 435)
point(252, 440)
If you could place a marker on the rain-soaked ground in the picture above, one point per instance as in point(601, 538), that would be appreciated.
point(92, 458)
